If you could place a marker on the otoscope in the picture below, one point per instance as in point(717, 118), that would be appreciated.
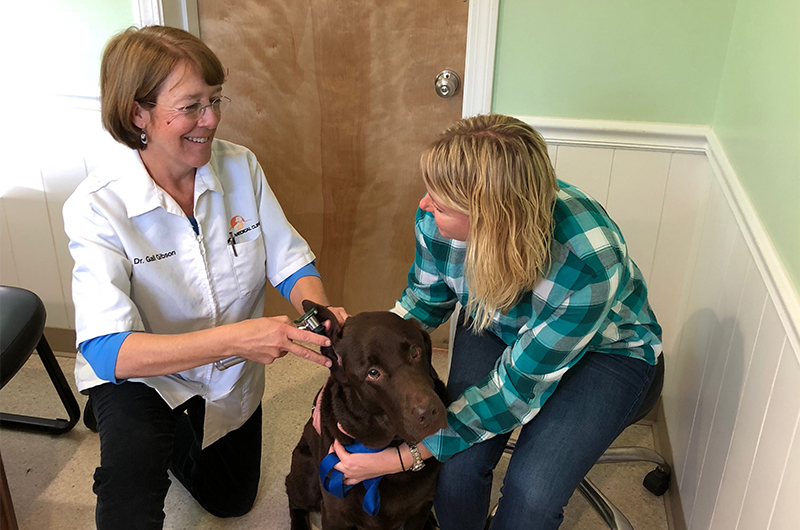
point(308, 322)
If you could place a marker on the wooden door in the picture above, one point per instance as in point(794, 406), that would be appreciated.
point(336, 99)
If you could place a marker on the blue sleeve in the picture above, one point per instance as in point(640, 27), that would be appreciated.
point(101, 354)
point(286, 286)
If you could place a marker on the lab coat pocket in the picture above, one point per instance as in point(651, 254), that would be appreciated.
point(249, 265)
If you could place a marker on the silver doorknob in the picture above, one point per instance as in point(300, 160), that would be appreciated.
point(447, 84)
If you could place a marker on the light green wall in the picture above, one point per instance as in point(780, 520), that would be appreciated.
point(57, 44)
point(634, 60)
point(731, 64)
point(758, 117)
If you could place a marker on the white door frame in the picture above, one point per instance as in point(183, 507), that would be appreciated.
point(147, 13)
point(176, 13)
point(478, 63)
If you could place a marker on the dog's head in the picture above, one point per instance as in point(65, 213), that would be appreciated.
point(384, 362)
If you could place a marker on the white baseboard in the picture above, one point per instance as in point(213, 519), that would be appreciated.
point(672, 499)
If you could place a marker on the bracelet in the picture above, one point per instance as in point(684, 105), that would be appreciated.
point(400, 457)
point(419, 463)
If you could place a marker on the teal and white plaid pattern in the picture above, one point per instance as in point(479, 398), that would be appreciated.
point(593, 298)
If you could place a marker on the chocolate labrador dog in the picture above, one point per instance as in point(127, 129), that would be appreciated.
point(382, 390)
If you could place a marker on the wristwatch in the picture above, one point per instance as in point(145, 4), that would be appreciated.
point(419, 463)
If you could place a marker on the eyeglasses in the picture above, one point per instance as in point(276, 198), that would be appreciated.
point(195, 110)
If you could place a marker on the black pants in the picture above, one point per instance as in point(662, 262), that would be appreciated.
point(141, 437)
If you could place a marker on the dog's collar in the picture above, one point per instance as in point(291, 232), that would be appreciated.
point(334, 484)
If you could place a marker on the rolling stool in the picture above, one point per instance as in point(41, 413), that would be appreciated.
point(22, 318)
point(657, 481)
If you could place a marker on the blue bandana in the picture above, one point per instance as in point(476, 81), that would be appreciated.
point(334, 484)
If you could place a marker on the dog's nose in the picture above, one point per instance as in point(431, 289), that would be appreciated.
point(430, 415)
point(424, 414)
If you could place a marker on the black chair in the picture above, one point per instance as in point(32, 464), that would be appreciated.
point(657, 481)
point(22, 319)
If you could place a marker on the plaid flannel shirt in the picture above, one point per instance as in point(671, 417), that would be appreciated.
point(593, 298)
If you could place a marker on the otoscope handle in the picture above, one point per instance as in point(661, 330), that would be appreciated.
point(224, 364)
point(307, 322)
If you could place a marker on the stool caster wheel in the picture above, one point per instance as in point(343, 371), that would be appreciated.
point(489, 518)
point(657, 482)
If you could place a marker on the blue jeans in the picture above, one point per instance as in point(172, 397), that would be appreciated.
point(595, 400)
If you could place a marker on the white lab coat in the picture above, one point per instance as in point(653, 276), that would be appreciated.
point(139, 266)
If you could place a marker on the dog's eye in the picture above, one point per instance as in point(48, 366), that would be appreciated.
point(374, 374)
point(415, 352)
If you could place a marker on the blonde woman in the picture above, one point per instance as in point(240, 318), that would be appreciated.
point(556, 335)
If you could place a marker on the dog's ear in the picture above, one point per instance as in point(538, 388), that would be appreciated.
point(334, 331)
point(426, 338)
point(426, 341)
point(429, 349)
point(323, 314)
point(439, 386)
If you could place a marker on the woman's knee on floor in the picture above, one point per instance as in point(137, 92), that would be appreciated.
point(225, 476)
point(229, 503)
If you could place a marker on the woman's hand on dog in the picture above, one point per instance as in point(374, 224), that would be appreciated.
point(358, 467)
point(340, 314)
point(269, 338)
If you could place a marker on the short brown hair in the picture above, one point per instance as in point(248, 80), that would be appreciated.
point(135, 64)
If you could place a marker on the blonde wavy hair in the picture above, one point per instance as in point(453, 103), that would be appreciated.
point(496, 169)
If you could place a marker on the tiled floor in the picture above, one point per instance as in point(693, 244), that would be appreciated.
point(51, 477)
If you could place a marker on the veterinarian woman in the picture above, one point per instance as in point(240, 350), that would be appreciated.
point(173, 243)
point(558, 337)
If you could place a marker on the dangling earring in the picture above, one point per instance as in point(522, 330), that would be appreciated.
point(143, 138)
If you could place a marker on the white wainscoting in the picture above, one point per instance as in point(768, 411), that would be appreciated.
point(45, 169)
point(730, 316)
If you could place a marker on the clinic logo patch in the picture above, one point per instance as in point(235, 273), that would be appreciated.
point(240, 225)
point(237, 223)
